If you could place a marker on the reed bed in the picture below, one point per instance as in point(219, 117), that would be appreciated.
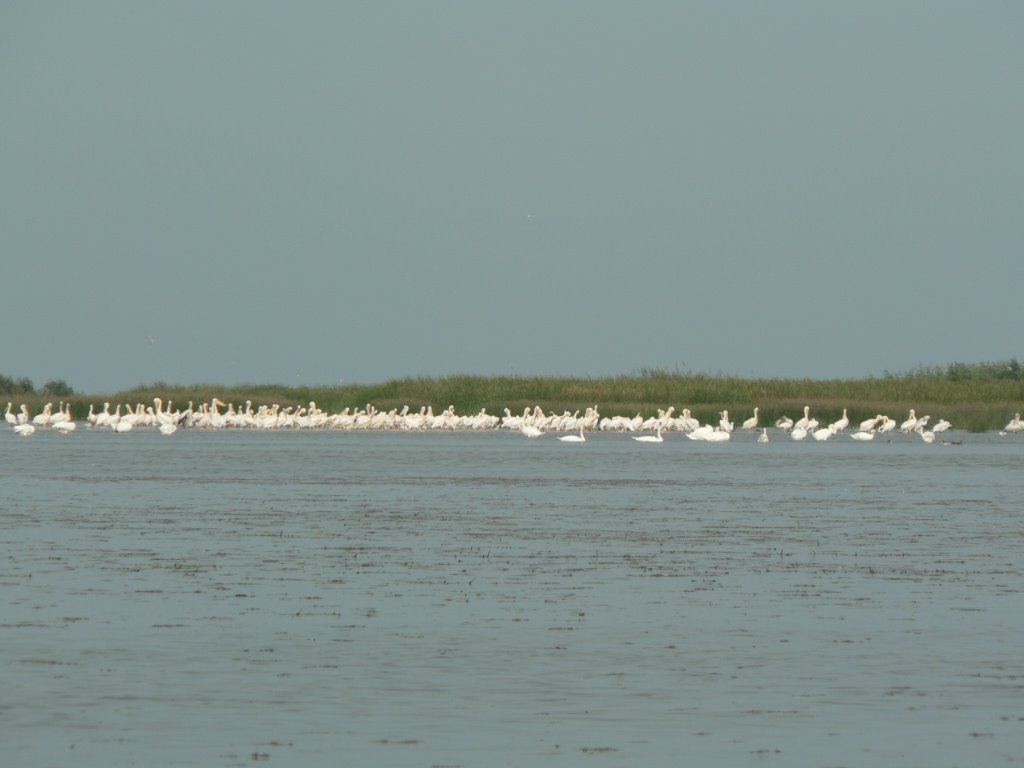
point(971, 403)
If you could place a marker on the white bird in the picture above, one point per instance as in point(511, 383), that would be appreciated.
point(798, 433)
point(43, 419)
point(910, 423)
point(724, 422)
point(687, 422)
point(785, 423)
point(718, 436)
point(887, 425)
point(1015, 424)
point(168, 428)
point(867, 434)
point(530, 431)
point(751, 423)
point(64, 426)
point(927, 435)
point(804, 422)
point(650, 438)
point(573, 438)
point(823, 434)
point(870, 423)
point(941, 426)
point(701, 433)
point(842, 424)
point(9, 417)
point(763, 437)
point(24, 429)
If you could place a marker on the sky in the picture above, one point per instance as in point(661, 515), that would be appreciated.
point(323, 192)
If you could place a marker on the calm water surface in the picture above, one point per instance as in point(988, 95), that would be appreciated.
point(323, 599)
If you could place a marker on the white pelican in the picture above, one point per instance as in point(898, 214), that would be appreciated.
point(24, 429)
point(650, 438)
point(763, 437)
point(168, 428)
point(866, 434)
point(59, 416)
point(1015, 424)
point(751, 423)
point(798, 433)
point(573, 438)
point(9, 417)
point(718, 436)
point(43, 419)
point(927, 435)
point(887, 425)
point(687, 423)
point(785, 423)
point(724, 422)
point(843, 423)
point(870, 423)
point(64, 426)
point(910, 423)
point(941, 426)
point(805, 421)
point(531, 431)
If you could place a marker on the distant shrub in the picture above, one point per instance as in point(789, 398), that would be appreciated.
point(1003, 370)
point(11, 386)
point(57, 388)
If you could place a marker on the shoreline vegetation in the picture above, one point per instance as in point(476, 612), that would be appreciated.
point(973, 397)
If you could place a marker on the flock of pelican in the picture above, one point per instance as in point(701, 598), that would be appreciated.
point(532, 422)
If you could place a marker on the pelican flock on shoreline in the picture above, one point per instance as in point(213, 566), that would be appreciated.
point(531, 423)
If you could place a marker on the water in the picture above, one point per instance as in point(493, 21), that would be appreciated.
point(319, 599)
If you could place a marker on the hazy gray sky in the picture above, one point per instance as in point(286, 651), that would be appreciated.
point(313, 192)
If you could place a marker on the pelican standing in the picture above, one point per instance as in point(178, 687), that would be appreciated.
point(751, 423)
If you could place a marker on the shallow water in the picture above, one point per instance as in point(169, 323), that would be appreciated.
point(321, 598)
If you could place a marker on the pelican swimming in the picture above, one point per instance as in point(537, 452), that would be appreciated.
point(530, 431)
point(763, 437)
point(866, 434)
point(24, 429)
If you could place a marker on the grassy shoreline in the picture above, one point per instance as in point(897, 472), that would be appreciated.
point(971, 404)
